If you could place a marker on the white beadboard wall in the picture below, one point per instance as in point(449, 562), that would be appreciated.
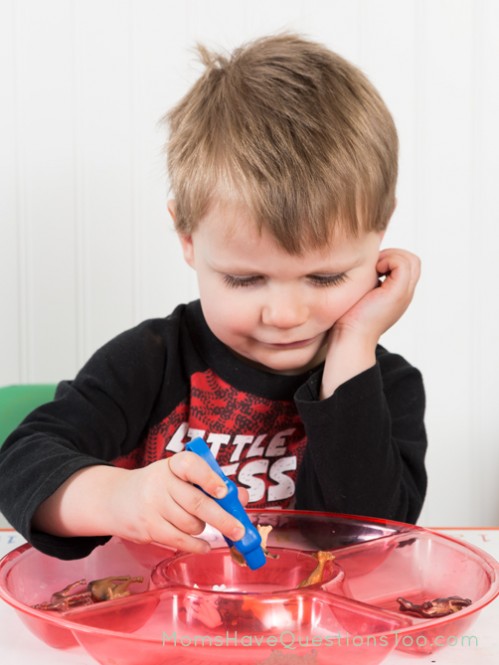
point(86, 245)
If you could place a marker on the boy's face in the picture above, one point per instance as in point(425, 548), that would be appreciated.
point(273, 308)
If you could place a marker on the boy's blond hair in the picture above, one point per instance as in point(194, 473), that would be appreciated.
point(293, 131)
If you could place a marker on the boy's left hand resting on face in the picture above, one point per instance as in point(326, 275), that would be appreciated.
point(352, 341)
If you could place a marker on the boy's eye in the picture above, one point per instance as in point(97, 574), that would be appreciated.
point(328, 280)
point(234, 281)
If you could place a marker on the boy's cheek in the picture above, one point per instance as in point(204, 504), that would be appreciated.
point(225, 316)
point(341, 306)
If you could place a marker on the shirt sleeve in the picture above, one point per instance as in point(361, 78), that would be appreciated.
point(92, 420)
point(366, 443)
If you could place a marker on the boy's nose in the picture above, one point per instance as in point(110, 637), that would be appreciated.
point(284, 312)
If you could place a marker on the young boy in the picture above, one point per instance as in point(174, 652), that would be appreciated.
point(283, 164)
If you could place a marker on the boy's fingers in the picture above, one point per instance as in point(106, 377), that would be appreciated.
point(390, 259)
point(170, 535)
point(243, 495)
point(206, 509)
point(195, 471)
point(401, 269)
point(182, 519)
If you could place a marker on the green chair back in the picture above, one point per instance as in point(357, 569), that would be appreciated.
point(19, 400)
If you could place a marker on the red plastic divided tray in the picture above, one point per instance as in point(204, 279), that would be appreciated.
point(207, 609)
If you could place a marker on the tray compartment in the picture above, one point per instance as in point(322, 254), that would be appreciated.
point(419, 567)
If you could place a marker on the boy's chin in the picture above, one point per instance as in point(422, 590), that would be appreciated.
point(287, 366)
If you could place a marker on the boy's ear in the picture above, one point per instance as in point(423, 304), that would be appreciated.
point(185, 241)
point(187, 249)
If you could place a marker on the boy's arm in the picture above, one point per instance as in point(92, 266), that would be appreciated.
point(366, 443)
point(59, 487)
point(92, 420)
point(364, 415)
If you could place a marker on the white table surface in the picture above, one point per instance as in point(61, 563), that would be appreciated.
point(18, 645)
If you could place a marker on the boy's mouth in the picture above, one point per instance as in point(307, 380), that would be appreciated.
point(292, 345)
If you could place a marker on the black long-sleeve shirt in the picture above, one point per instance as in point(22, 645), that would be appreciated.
point(147, 392)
